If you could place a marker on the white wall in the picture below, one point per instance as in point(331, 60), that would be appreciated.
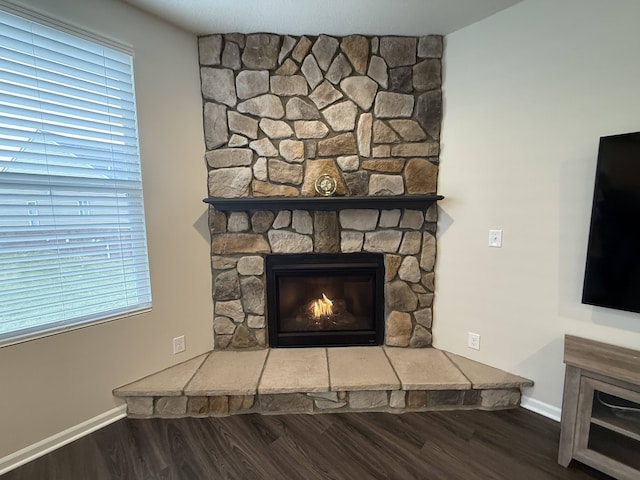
point(528, 92)
point(54, 383)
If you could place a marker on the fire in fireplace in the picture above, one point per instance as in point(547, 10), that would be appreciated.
point(325, 299)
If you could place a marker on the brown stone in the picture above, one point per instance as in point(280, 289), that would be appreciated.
point(341, 117)
point(393, 105)
point(230, 182)
point(219, 405)
point(289, 85)
point(416, 399)
point(301, 49)
point(361, 90)
point(275, 129)
point(327, 232)
point(299, 109)
point(364, 134)
point(343, 144)
point(357, 182)
point(325, 94)
point(286, 402)
point(378, 71)
point(171, 406)
point(383, 134)
point(266, 105)
point(409, 130)
point(388, 165)
point(140, 406)
point(382, 184)
point(430, 46)
point(243, 338)
point(398, 51)
point(324, 49)
point(428, 281)
point(400, 297)
point(217, 221)
point(262, 220)
point(239, 123)
point(283, 172)
point(426, 75)
point(420, 176)
point(287, 45)
point(289, 67)
point(239, 243)
point(428, 256)
point(229, 157)
point(391, 266)
point(310, 129)
point(226, 286)
point(421, 338)
point(216, 132)
point(500, 398)
point(237, 38)
point(356, 48)
point(422, 149)
point(425, 299)
point(424, 316)
point(198, 406)
point(445, 398)
point(239, 403)
point(339, 69)
point(266, 189)
point(252, 295)
point(398, 329)
point(311, 71)
point(261, 51)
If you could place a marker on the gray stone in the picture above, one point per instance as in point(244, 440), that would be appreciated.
point(409, 130)
point(398, 329)
point(218, 84)
point(424, 317)
point(427, 75)
point(410, 270)
point(261, 51)
point(359, 219)
point(397, 399)
point(380, 151)
point(412, 219)
point(500, 398)
point(229, 157)
point(251, 265)
point(383, 134)
point(140, 406)
point(428, 280)
point(252, 295)
point(386, 241)
point(349, 163)
point(223, 326)
point(391, 266)
point(393, 105)
point(417, 399)
point(256, 321)
point(368, 399)
point(238, 141)
point(384, 165)
point(238, 222)
point(425, 299)
point(418, 288)
point(231, 56)
point(378, 71)
point(310, 129)
point(221, 341)
point(411, 243)
point(389, 218)
point(301, 49)
point(261, 336)
point(264, 148)
point(430, 46)
point(327, 232)
point(286, 402)
point(432, 213)
point(171, 406)
point(357, 183)
point(283, 219)
point(218, 405)
point(429, 112)
point(223, 263)
point(339, 69)
point(275, 129)
point(292, 150)
point(356, 48)
point(422, 149)
point(242, 124)
point(266, 105)
point(228, 243)
point(289, 242)
point(283, 172)
point(299, 109)
point(215, 125)
point(287, 46)
point(301, 222)
point(328, 404)
point(386, 184)
point(230, 182)
point(400, 297)
point(324, 49)
point(341, 116)
point(361, 90)
point(262, 220)
point(217, 221)
point(289, 67)
point(209, 49)
point(428, 257)
point(325, 94)
point(401, 80)
point(231, 309)
point(375, 44)
point(237, 38)
point(364, 134)
point(289, 85)
point(398, 51)
point(351, 242)
point(243, 338)
point(342, 144)
point(311, 71)
point(251, 83)
point(260, 169)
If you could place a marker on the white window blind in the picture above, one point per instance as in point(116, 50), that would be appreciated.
point(72, 233)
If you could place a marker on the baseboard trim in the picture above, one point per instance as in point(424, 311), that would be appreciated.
point(27, 454)
point(541, 408)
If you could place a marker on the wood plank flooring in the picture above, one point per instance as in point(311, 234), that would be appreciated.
point(469, 445)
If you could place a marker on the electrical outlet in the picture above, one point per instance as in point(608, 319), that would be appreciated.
point(178, 344)
point(495, 238)
point(473, 340)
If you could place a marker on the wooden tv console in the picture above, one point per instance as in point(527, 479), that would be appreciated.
point(592, 430)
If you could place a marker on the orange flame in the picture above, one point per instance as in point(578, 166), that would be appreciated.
point(323, 307)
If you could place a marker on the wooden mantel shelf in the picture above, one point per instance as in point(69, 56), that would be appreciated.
point(385, 202)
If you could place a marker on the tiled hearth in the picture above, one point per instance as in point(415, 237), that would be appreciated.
point(316, 380)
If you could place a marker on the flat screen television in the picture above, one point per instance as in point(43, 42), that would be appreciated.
point(612, 273)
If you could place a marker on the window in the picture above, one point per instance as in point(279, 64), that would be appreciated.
point(72, 234)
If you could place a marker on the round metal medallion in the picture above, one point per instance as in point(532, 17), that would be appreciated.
point(326, 185)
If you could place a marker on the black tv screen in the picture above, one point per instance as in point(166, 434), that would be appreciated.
point(612, 273)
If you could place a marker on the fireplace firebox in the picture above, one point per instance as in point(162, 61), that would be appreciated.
point(325, 299)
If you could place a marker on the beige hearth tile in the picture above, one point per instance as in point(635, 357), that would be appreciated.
point(426, 369)
point(483, 376)
point(360, 368)
point(166, 383)
point(290, 370)
point(228, 373)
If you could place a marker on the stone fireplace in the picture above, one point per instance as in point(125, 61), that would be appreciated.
point(281, 111)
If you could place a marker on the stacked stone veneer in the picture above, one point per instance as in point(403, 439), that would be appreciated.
point(279, 111)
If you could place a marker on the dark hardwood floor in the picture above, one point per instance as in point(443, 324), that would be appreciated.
point(509, 444)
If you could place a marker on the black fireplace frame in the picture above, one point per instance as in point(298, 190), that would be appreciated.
point(327, 263)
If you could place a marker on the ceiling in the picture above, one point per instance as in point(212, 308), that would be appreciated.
point(312, 17)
